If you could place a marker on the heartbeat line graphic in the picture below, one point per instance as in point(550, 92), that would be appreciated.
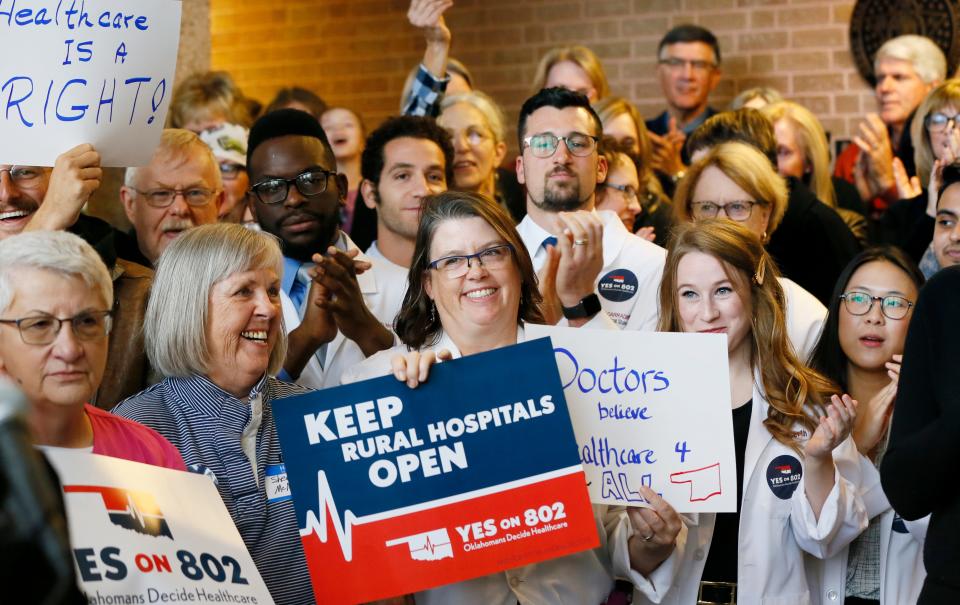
point(428, 546)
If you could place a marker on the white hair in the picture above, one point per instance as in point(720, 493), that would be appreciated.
point(487, 107)
point(921, 52)
point(58, 252)
point(176, 142)
point(175, 325)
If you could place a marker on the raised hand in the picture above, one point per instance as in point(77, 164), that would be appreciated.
point(75, 177)
point(907, 186)
point(833, 428)
point(655, 532)
point(873, 419)
point(414, 367)
point(874, 144)
point(581, 256)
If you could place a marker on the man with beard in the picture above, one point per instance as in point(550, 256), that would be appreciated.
point(578, 251)
point(297, 195)
point(405, 159)
point(180, 188)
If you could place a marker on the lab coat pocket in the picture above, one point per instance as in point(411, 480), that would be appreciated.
point(802, 598)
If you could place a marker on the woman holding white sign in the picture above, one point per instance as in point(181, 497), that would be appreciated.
point(798, 471)
point(472, 289)
point(861, 349)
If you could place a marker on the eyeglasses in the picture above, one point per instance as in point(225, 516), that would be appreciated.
point(545, 145)
point(43, 329)
point(309, 183)
point(230, 171)
point(939, 122)
point(676, 63)
point(860, 303)
point(628, 191)
point(24, 176)
point(494, 257)
point(736, 211)
point(162, 197)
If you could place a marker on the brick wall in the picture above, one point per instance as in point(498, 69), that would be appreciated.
point(357, 52)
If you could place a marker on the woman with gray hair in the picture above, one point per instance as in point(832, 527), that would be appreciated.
point(213, 329)
point(55, 317)
point(476, 126)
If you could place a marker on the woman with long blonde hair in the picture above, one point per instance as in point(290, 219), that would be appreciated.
point(574, 67)
point(798, 472)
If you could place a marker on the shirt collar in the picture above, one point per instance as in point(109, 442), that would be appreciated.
point(203, 395)
point(291, 265)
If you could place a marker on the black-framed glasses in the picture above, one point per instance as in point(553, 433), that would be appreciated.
point(939, 122)
point(43, 329)
point(628, 191)
point(738, 210)
point(163, 197)
point(231, 170)
point(24, 176)
point(676, 63)
point(458, 265)
point(545, 144)
point(860, 303)
point(309, 183)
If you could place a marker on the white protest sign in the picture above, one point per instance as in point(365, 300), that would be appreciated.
point(650, 408)
point(145, 534)
point(85, 71)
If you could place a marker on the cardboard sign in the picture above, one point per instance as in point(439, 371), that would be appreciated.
point(85, 71)
point(399, 490)
point(145, 534)
point(653, 409)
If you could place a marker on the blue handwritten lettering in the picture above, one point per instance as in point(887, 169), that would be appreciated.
point(136, 95)
point(612, 378)
point(11, 102)
point(80, 109)
point(107, 101)
point(600, 453)
point(622, 412)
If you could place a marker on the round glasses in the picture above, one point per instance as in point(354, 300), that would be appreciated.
point(494, 257)
point(545, 145)
point(628, 192)
point(860, 303)
point(163, 197)
point(309, 183)
point(736, 211)
point(24, 176)
point(939, 122)
point(43, 329)
point(229, 171)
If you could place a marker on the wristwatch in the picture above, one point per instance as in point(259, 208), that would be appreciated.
point(588, 306)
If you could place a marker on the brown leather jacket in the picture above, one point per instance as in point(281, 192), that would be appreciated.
point(128, 370)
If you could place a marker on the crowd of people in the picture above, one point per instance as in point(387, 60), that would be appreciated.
point(282, 249)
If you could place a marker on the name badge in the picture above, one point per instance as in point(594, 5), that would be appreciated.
point(277, 487)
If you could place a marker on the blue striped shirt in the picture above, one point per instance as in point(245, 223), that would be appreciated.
point(206, 424)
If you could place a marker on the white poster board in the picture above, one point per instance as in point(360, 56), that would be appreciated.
point(650, 408)
point(85, 71)
point(145, 534)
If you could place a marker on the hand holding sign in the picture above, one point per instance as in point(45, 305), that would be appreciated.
point(75, 177)
point(656, 529)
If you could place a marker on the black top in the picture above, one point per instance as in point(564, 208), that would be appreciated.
point(100, 235)
point(917, 471)
point(660, 216)
point(721, 565)
point(812, 245)
point(847, 196)
point(128, 248)
point(906, 224)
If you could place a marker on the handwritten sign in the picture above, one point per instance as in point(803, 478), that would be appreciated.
point(650, 409)
point(474, 472)
point(85, 71)
point(145, 534)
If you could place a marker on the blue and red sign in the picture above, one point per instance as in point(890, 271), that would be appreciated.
point(473, 472)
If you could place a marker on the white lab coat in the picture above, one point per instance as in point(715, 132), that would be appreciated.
point(341, 353)
point(804, 316)
point(901, 555)
point(391, 285)
point(775, 534)
point(584, 577)
point(628, 284)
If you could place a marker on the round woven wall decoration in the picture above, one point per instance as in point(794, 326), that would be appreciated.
point(875, 21)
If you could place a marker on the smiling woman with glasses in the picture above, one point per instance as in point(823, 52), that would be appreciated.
point(55, 319)
point(861, 350)
point(472, 289)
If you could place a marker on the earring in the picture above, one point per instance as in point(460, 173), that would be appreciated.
point(433, 313)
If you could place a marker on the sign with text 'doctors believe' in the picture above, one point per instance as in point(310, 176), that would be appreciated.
point(85, 71)
point(650, 408)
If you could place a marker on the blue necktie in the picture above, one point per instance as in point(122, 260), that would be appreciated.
point(549, 241)
point(298, 295)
